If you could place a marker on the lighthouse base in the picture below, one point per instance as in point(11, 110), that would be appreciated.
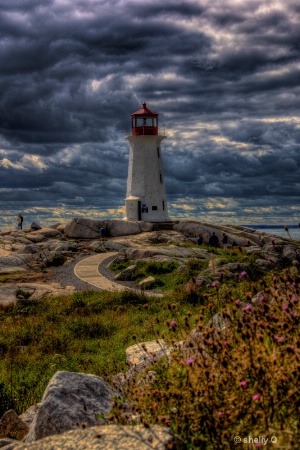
point(136, 210)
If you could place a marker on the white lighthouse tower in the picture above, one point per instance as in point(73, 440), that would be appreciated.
point(146, 196)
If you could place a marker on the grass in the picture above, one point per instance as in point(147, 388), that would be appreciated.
point(166, 274)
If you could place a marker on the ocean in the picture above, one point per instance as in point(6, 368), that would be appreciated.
point(292, 233)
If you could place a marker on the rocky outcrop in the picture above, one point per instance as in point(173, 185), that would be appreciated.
point(109, 437)
point(83, 228)
point(35, 226)
point(12, 426)
point(8, 443)
point(146, 353)
point(26, 293)
point(71, 400)
point(126, 273)
point(147, 283)
point(89, 228)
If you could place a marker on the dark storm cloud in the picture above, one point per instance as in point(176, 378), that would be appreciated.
point(224, 77)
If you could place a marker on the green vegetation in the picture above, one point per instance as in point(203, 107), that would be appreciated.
point(245, 383)
point(167, 275)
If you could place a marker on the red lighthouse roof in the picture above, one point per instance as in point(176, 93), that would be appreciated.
point(144, 111)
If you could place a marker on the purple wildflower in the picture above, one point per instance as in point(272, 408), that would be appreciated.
point(295, 315)
point(294, 298)
point(238, 302)
point(173, 324)
point(285, 307)
point(247, 307)
point(291, 347)
point(243, 383)
point(243, 274)
point(255, 397)
point(225, 343)
point(220, 413)
point(190, 361)
point(167, 421)
point(261, 299)
point(214, 284)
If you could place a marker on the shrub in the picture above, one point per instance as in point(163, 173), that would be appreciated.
point(6, 401)
point(57, 260)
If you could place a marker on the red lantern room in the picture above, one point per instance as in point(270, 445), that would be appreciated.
point(144, 122)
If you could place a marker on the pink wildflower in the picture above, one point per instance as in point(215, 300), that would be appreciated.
point(261, 299)
point(255, 397)
point(285, 307)
point(173, 324)
point(214, 284)
point(167, 421)
point(291, 347)
point(243, 383)
point(247, 307)
point(220, 413)
point(238, 302)
point(190, 361)
point(225, 343)
point(294, 298)
point(243, 274)
point(295, 315)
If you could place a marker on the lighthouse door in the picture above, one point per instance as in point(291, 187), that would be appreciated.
point(139, 210)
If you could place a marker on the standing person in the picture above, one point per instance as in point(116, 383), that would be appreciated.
point(225, 241)
point(103, 232)
point(213, 240)
point(200, 239)
point(20, 221)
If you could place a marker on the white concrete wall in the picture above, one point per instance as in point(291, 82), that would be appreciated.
point(146, 178)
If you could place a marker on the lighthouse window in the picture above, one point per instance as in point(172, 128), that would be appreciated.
point(154, 208)
point(158, 152)
point(149, 122)
point(139, 122)
point(163, 205)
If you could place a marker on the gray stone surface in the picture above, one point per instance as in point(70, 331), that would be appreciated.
point(83, 228)
point(144, 354)
point(70, 401)
point(12, 426)
point(125, 274)
point(109, 437)
point(7, 441)
point(146, 283)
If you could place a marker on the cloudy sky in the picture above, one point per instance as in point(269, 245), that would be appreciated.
point(223, 75)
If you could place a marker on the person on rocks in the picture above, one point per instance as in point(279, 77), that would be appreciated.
point(20, 221)
point(225, 241)
point(199, 239)
point(213, 240)
point(103, 232)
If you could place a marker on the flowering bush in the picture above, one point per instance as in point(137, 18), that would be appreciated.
point(246, 385)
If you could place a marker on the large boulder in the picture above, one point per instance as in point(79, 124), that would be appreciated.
point(90, 228)
point(28, 249)
point(71, 400)
point(126, 273)
point(122, 228)
point(83, 228)
point(108, 437)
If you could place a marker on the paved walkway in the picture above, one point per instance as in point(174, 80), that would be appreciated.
point(87, 270)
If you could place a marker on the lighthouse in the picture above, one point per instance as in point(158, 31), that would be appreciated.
point(146, 196)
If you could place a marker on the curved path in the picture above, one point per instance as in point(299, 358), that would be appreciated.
point(87, 270)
